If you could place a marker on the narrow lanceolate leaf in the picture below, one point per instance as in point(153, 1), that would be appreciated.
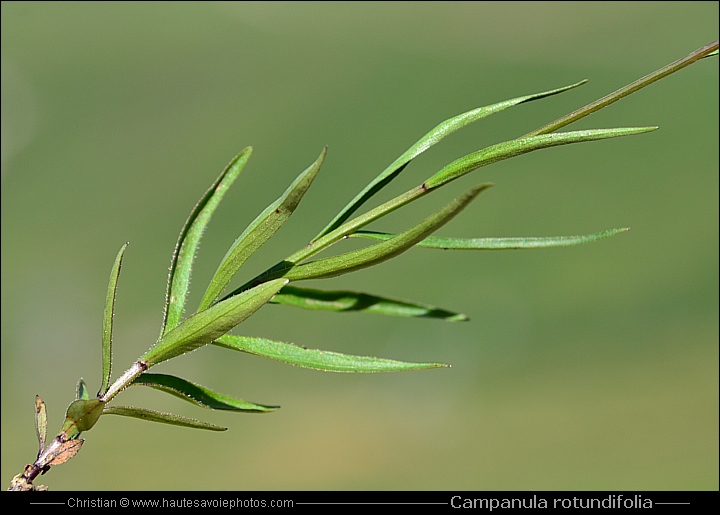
point(431, 138)
point(187, 244)
point(317, 359)
point(108, 321)
point(158, 416)
point(433, 242)
point(517, 147)
point(205, 326)
point(40, 422)
point(197, 394)
point(370, 256)
point(259, 231)
point(351, 301)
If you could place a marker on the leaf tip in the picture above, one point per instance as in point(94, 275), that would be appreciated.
point(577, 84)
point(428, 366)
point(476, 190)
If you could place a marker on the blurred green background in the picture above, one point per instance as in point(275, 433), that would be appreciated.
point(594, 367)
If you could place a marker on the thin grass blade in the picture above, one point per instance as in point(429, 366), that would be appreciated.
point(433, 242)
point(198, 395)
point(187, 244)
point(205, 326)
point(108, 321)
point(158, 416)
point(370, 256)
point(431, 138)
point(317, 359)
point(259, 231)
point(517, 147)
point(351, 301)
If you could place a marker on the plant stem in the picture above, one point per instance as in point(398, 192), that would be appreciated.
point(124, 380)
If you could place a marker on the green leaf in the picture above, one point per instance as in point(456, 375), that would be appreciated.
point(197, 394)
point(433, 242)
point(370, 256)
point(40, 422)
point(81, 390)
point(158, 416)
point(187, 244)
point(81, 416)
point(205, 326)
point(259, 231)
point(431, 138)
point(317, 359)
point(347, 301)
point(516, 147)
point(108, 322)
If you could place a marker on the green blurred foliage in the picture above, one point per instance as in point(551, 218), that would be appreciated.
point(592, 367)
